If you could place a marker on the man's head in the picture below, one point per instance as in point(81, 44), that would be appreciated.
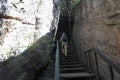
point(63, 33)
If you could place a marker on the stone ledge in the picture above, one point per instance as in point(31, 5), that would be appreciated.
point(112, 22)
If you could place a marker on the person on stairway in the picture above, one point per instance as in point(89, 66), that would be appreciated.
point(64, 42)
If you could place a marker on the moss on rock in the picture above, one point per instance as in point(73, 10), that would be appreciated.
point(31, 62)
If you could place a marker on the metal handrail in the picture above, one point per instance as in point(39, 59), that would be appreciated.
point(57, 73)
point(107, 60)
point(117, 68)
point(103, 57)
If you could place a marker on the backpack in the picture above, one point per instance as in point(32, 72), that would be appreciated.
point(64, 38)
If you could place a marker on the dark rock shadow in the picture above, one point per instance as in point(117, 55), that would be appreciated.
point(31, 64)
point(63, 27)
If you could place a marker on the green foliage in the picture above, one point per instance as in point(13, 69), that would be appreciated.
point(69, 5)
point(32, 58)
point(73, 3)
point(62, 5)
point(44, 44)
point(21, 77)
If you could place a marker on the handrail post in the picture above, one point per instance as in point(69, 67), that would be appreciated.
point(89, 58)
point(57, 76)
point(96, 52)
point(97, 67)
point(86, 63)
point(111, 73)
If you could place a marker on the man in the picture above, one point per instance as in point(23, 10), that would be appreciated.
point(64, 41)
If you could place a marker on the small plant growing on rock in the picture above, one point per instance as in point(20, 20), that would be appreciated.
point(21, 77)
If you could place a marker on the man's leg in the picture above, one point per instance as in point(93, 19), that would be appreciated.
point(62, 47)
point(65, 49)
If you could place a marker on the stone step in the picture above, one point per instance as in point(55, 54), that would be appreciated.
point(73, 63)
point(67, 54)
point(76, 75)
point(68, 70)
point(71, 66)
point(68, 63)
point(69, 51)
point(69, 60)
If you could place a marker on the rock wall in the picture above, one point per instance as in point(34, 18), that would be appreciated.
point(97, 25)
point(35, 63)
point(22, 22)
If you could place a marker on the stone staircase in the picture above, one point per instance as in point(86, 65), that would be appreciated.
point(72, 69)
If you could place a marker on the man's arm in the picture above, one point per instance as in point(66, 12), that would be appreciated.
point(61, 38)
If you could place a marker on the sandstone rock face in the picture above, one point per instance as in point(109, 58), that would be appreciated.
point(23, 22)
point(97, 25)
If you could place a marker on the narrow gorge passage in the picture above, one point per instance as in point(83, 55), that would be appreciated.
point(29, 30)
